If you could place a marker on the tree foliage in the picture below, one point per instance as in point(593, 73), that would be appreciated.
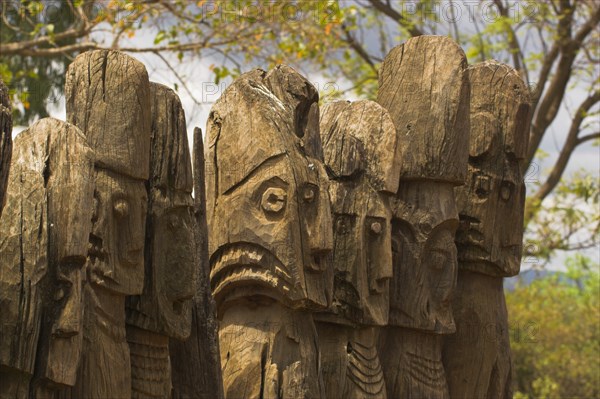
point(555, 333)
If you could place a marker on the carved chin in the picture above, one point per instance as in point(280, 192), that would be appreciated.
point(246, 270)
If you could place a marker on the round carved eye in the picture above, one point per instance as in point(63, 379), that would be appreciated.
point(309, 194)
point(121, 207)
point(505, 191)
point(376, 228)
point(273, 200)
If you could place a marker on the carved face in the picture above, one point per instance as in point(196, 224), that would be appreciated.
point(116, 252)
point(274, 232)
point(491, 202)
point(362, 256)
point(173, 264)
point(424, 257)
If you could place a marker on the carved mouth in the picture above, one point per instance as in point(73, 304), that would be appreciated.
point(251, 269)
point(95, 250)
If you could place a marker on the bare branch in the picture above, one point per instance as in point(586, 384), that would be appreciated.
point(571, 143)
point(388, 10)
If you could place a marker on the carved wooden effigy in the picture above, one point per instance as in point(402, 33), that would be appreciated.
point(270, 233)
point(43, 248)
point(196, 362)
point(424, 87)
point(108, 97)
point(5, 140)
point(489, 239)
point(164, 308)
point(362, 157)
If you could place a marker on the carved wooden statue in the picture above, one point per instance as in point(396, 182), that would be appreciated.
point(5, 140)
point(491, 205)
point(362, 157)
point(270, 233)
point(43, 247)
point(108, 98)
point(196, 362)
point(164, 308)
point(424, 87)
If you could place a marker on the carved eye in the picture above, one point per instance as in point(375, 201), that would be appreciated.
point(506, 190)
point(375, 226)
point(273, 200)
point(121, 208)
point(309, 192)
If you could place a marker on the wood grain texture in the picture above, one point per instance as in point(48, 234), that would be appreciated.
point(270, 237)
point(424, 86)
point(5, 141)
point(43, 248)
point(108, 98)
point(196, 362)
point(163, 310)
point(489, 239)
point(362, 158)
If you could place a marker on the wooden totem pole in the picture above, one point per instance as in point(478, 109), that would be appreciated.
point(424, 86)
point(44, 232)
point(108, 98)
point(489, 239)
point(5, 141)
point(163, 310)
point(196, 362)
point(362, 158)
point(270, 236)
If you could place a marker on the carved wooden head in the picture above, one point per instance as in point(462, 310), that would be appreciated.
point(267, 200)
point(424, 86)
point(45, 226)
point(170, 275)
point(362, 158)
point(108, 98)
point(491, 203)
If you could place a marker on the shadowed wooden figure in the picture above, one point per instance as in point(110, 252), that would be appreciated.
point(5, 141)
point(270, 236)
point(163, 310)
point(108, 98)
point(424, 87)
point(489, 239)
point(362, 158)
point(43, 247)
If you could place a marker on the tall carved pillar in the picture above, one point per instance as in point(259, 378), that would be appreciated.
point(5, 141)
point(362, 156)
point(270, 233)
point(196, 362)
point(424, 87)
point(489, 239)
point(108, 98)
point(163, 310)
point(44, 230)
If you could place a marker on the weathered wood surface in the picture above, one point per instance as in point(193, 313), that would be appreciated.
point(43, 247)
point(424, 86)
point(163, 310)
point(196, 362)
point(269, 213)
point(108, 98)
point(5, 140)
point(491, 204)
point(362, 158)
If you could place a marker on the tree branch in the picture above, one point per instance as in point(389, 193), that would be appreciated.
point(387, 9)
point(571, 143)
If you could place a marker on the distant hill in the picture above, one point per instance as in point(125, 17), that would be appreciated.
point(525, 278)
